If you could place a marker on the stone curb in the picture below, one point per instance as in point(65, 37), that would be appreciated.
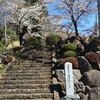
point(56, 94)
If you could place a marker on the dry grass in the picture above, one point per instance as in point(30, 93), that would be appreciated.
point(15, 44)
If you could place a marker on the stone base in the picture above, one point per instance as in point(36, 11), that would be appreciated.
point(71, 97)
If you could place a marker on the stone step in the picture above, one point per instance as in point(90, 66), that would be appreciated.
point(20, 91)
point(31, 61)
point(43, 59)
point(30, 99)
point(27, 71)
point(46, 81)
point(25, 86)
point(28, 74)
point(36, 64)
point(27, 96)
point(35, 61)
point(22, 62)
point(29, 67)
point(26, 77)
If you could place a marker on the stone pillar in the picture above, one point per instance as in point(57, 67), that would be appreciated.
point(69, 83)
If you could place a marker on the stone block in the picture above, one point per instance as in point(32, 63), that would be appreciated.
point(71, 97)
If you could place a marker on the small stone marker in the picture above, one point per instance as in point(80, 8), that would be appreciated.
point(69, 83)
point(69, 79)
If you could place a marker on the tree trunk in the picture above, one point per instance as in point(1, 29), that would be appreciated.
point(76, 30)
point(21, 34)
point(75, 25)
point(18, 32)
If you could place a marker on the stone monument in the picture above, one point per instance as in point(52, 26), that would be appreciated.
point(69, 83)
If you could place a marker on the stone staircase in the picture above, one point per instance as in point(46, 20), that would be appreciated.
point(28, 79)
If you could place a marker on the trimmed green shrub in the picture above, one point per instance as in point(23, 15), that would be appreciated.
point(70, 54)
point(70, 46)
point(59, 37)
point(31, 41)
point(52, 39)
point(94, 40)
point(72, 60)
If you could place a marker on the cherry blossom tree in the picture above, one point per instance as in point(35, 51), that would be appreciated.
point(31, 15)
point(71, 13)
point(5, 8)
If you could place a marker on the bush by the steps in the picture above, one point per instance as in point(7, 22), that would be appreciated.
point(70, 46)
point(52, 39)
point(92, 57)
point(70, 54)
point(31, 41)
point(72, 60)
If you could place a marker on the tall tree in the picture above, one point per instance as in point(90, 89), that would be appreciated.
point(28, 15)
point(70, 13)
point(5, 7)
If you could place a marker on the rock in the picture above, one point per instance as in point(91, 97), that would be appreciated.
point(87, 89)
point(84, 65)
point(61, 75)
point(80, 48)
point(71, 97)
point(91, 78)
point(77, 42)
point(85, 41)
point(93, 47)
point(94, 94)
point(76, 74)
point(75, 38)
point(98, 52)
point(83, 96)
point(79, 87)
point(60, 43)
